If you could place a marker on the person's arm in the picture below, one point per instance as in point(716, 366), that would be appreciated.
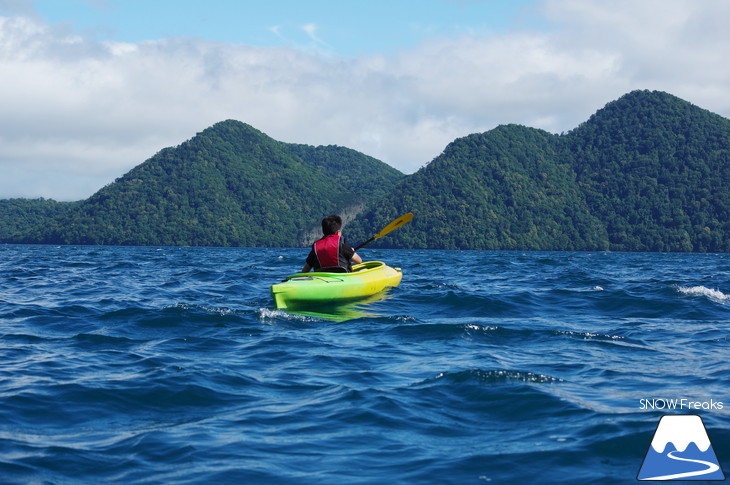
point(310, 262)
point(351, 255)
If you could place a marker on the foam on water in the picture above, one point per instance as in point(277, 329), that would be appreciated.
point(715, 295)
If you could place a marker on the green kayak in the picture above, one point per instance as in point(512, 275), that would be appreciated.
point(307, 289)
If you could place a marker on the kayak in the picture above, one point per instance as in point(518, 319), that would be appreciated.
point(306, 289)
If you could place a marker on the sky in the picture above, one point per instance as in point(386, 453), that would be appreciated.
point(90, 89)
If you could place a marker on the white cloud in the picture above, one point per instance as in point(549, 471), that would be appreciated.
point(311, 31)
point(76, 113)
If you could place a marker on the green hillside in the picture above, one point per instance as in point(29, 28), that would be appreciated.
point(230, 185)
point(656, 171)
point(17, 215)
point(649, 172)
point(509, 188)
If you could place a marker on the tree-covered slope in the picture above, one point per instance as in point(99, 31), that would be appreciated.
point(344, 168)
point(229, 185)
point(656, 171)
point(649, 172)
point(508, 188)
point(17, 215)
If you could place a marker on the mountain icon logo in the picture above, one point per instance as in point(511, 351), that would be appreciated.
point(680, 450)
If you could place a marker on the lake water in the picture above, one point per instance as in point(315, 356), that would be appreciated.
point(170, 365)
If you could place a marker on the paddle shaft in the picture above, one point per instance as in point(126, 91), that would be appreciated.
point(365, 243)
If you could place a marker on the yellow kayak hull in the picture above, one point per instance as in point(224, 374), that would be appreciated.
point(307, 289)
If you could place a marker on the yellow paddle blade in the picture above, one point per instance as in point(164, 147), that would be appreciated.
point(390, 227)
point(404, 219)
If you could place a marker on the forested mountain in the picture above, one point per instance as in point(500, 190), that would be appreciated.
point(649, 172)
point(509, 188)
point(230, 185)
point(656, 171)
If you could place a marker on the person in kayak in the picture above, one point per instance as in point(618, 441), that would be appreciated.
point(331, 252)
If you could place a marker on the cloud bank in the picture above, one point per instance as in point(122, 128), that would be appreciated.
point(76, 113)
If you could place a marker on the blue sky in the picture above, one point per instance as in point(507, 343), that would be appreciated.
point(91, 88)
point(343, 28)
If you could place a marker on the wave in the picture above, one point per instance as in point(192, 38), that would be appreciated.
point(268, 315)
point(493, 376)
point(715, 295)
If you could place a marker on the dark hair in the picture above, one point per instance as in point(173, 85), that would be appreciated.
point(331, 224)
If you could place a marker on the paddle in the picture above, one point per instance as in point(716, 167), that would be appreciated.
point(389, 228)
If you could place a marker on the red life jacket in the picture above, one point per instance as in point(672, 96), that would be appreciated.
point(328, 252)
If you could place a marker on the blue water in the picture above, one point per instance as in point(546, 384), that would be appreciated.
point(169, 365)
